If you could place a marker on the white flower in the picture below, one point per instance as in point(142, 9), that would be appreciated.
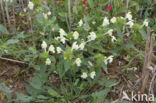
point(63, 39)
point(45, 16)
point(92, 74)
point(82, 45)
point(92, 36)
point(78, 62)
point(44, 45)
point(110, 59)
point(105, 21)
point(113, 20)
point(62, 33)
point(84, 75)
point(48, 61)
point(145, 23)
point(80, 23)
point(105, 60)
point(113, 38)
point(130, 23)
point(129, 16)
point(93, 22)
point(90, 64)
point(52, 49)
point(76, 35)
point(75, 46)
point(49, 13)
point(24, 9)
point(110, 32)
point(30, 5)
point(59, 50)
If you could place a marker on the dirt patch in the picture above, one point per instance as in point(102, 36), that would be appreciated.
point(13, 76)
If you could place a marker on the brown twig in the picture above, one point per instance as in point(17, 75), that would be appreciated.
point(7, 12)
point(69, 12)
point(53, 3)
point(151, 87)
point(3, 16)
point(12, 60)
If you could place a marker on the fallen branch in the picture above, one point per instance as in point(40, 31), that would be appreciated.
point(12, 60)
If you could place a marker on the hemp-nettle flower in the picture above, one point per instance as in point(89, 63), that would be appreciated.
point(92, 36)
point(44, 45)
point(25, 9)
point(59, 50)
point(129, 16)
point(105, 60)
point(110, 59)
point(105, 21)
point(63, 39)
point(76, 35)
point(78, 62)
point(52, 49)
point(90, 64)
point(92, 74)
point(113, 20)
point(82, 45)
point(75, 46)
point(49, 13)
point(84, 75)
point(80, 23)
point(45, 16)
point(130, 23)
point(62, 33)
point(113, 38)
point(93, 22)
point(110, 32)
point(145, 23)
point(48, 61)
point(30, 5)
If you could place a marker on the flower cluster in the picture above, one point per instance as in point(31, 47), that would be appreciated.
point(50, 49)
point(85, 75)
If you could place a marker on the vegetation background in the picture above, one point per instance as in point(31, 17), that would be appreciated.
point(76, 51)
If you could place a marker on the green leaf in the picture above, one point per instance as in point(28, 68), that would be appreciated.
point(5, 89)
point(13, 41)
point(23, 98)
point(143, 33)
point(36, 82)
point(3, 29)
point(100, 96)
point(91, 3)
point(103, 81)
point(111, 83)
point(53, 93)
